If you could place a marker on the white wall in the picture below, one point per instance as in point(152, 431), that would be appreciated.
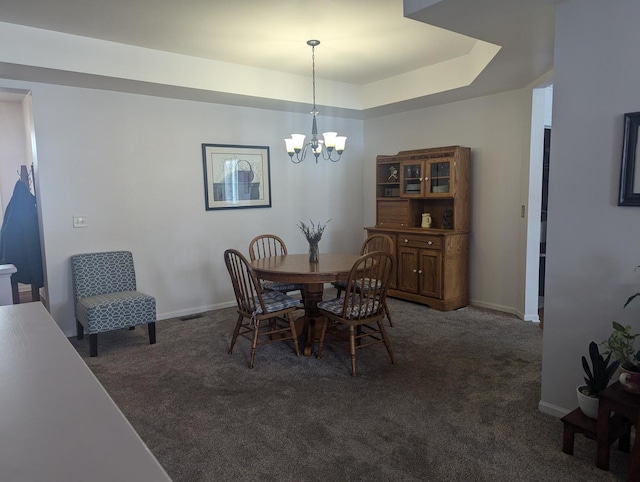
point(592, 244)
point(497, 129)
point(132, 165)
point(12, 150)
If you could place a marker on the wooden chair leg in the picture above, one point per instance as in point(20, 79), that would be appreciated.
point(152, 333)
point(352, 349)
point(387, 343)
point(254, 342)
point(321, 341)
point(236, 330)
point(294, 334)
point(386, 311)
point(79, 331)
point(93, 344)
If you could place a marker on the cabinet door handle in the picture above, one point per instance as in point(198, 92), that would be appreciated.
point(401, 224)
point(406, 240)
point(426, 179)
point(429, 243)
point(419, 271)
point(420, 179)
point(415, 270)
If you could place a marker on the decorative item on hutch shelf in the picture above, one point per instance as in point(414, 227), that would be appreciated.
point(426, 220)
point(313, 234)
point(447, 219)
point(332, 141)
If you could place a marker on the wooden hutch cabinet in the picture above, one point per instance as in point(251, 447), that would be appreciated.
point(431, 262)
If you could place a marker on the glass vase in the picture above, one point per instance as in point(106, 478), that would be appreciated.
point(314, 252)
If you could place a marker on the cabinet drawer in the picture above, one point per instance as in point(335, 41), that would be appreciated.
point(394, 214)
point(420, 241)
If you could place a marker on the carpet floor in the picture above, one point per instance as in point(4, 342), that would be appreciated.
point(461, 403)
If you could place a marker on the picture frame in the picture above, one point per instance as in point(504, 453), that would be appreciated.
point(629, 194)
point(236, 177)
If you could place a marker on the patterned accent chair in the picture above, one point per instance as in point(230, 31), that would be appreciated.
point(263, 316)
point(105, 296)
point(361, 310)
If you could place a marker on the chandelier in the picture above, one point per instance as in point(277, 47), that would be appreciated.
point(332, 141)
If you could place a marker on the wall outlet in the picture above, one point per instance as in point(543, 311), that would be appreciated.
point(522, 211)
point(79, 222)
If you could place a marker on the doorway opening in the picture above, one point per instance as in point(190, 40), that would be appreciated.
point(536, 232)
point(20, 238)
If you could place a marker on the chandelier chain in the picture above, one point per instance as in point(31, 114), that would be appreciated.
point(313, 75)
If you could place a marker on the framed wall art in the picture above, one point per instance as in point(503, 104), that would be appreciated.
point(629, 194)
point(236, 176)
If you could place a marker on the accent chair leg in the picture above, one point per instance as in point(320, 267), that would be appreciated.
point(152, 333)
point(79, 331)
point(93, 344)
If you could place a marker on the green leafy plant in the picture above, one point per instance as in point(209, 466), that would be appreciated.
point(597, 376)
point(621, 344)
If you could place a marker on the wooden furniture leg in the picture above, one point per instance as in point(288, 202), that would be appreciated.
point(602, 458)
point(312, 318)
point(15, 293)
point(618, 428)
point(633, 471)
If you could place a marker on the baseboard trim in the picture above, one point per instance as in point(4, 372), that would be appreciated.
point(534, 318)
point(551, 409)
point(192, 311)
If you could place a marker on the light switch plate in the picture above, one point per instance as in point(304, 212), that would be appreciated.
point(79, 222)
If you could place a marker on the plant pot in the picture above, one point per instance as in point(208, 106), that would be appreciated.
point(587, 403)
point(629, 380)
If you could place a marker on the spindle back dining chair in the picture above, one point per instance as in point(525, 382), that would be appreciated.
point(361, 309)
point(264, 317)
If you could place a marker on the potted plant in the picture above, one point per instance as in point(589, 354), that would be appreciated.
point(621, 344)
point(597, 377)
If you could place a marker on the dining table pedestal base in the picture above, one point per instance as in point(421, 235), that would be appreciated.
point(312, 319)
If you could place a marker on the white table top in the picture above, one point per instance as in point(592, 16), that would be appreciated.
point(57, 422)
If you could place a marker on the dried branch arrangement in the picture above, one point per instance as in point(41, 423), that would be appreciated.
point(314, 232)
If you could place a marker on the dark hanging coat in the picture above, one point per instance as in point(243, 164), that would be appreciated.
point(20, 238)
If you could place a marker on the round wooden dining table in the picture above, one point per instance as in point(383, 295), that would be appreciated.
point(296, 268)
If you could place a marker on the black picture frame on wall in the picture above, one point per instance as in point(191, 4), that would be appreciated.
point(236, 177)
point(630, 170)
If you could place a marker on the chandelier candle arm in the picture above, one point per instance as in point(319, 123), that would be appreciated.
point(332, 141)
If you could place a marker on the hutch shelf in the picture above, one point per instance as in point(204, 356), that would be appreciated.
point(432, 262)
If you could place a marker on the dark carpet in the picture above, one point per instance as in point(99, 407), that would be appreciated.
point(460, 404)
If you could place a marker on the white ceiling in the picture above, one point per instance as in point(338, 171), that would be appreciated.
point(367, 44)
